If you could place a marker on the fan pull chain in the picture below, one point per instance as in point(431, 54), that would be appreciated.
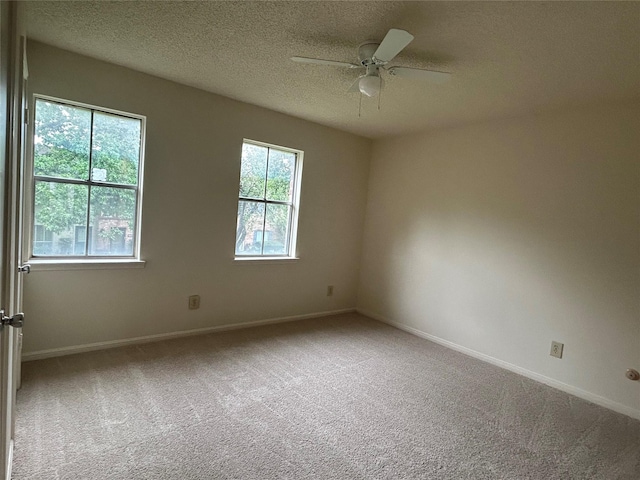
point(360, 107)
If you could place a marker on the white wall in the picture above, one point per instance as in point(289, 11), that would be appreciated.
point(191, 181)
point(503, 236)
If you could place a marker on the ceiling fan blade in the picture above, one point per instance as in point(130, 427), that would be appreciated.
point(319, 61)
point(393, 43)
point(429, 75)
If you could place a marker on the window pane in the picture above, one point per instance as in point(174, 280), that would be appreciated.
point(253, 171)
point(280, 175)
point(249, 228)
point(276, 231)
point(112, 221)
point(59, 210)
point(116, 149)
point(61, 140)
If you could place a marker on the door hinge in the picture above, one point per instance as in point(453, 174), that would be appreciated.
point(16, 320)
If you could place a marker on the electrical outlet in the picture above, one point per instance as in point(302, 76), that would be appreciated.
point(556, 349)
point(329, 290)
point(194, 302)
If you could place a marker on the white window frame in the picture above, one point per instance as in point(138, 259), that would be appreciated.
point(72, 262)
point(295, 205)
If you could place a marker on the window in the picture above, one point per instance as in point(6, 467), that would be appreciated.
point(268, 201)
point(42, 239)
point(87, 171)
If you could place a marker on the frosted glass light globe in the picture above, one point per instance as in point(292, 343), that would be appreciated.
point(369, 85)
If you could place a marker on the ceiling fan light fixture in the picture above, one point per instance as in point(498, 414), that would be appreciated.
point(369, 85)
point(373, 57)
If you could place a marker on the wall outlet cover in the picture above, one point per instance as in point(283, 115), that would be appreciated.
point(556, 349)
point(194, 302)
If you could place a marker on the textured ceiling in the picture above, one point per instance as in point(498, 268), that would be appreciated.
point(508, 58)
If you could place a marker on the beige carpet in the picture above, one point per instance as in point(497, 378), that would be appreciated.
point(342, 397)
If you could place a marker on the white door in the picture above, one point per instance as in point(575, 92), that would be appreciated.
point(6, 341)
point(12, 136)
point(15, 187)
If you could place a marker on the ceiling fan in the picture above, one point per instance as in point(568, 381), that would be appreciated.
point(374, 57)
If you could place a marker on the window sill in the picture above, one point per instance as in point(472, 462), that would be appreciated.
point(264, 260)
point(75, 264)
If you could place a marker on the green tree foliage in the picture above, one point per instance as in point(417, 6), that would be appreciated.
point(64, 138)
point(266, 174)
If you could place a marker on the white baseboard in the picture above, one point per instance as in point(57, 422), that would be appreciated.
point(58, 352)
point(578, 392)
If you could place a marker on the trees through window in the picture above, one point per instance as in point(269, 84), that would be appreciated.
point(87, 167)
point(268, 200)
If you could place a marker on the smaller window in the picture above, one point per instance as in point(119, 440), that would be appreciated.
point(268, 200)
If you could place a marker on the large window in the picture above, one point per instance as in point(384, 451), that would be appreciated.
point(268, 201)
point(87, 171)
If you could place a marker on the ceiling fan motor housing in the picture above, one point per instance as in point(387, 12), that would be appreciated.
point(366, 51)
